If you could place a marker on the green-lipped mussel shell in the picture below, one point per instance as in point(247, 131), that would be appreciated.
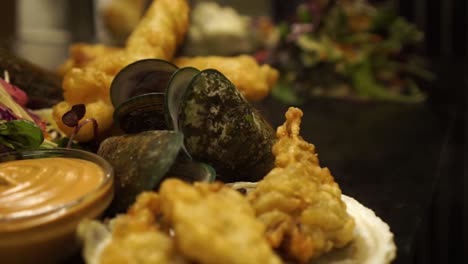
point(222, 129)
point(141, 77)
point(175, 91)
point(192, 171)
point(140, 162)
point(141, 113)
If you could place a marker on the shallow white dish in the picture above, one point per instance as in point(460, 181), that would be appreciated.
point(372, 243)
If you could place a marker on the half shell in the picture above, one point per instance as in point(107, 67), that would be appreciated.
point(140, 162)
point(141, 77)
point(137, 93)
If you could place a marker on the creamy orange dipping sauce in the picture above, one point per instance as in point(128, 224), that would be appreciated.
point(36, 185)
point(43, 200)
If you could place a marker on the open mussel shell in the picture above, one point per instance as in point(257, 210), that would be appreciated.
point(140, 162)
point(222, 129)
point(192, 171)
point(141, 113)
point(175, 91)
point(141, 77)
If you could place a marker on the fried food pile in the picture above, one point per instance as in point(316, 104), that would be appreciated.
point(214, 224)
point(120, 17)
point(89, 71)
point(254, 81)
point(81, 54)
point(298, 201)
point(136, 237)
point(184, 223)
point(295, 212)
point(89, 75)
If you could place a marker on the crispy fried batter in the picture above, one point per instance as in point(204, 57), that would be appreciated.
point(158, 34)
point(299, 202)
point(214, 224)
point(254, 81)
point(136, 237)
point(210, 223)
point(120, 17)
point(163, 26)
point(81, 54)
point(150, 247)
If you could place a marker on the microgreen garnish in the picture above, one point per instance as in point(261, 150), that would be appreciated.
point(72, 119)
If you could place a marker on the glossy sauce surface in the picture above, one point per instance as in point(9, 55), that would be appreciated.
point(29, 187)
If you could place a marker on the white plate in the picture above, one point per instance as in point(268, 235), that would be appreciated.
point(372, 243)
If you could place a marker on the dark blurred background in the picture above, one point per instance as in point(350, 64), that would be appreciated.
point(445, 25)
point(442, 234)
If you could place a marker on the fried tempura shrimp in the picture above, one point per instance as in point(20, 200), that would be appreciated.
point(81, 54)
point(204, 223)
point(133, 238)
point(254, 81)
point(120, 17)
point(158, 34)
point(214, 224)
point(298, 201)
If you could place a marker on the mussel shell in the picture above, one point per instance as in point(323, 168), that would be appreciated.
point(192, 171)
point(222, 129)
point(140, 162)
point(175, 91)
point(141, 77)
point(141, 113)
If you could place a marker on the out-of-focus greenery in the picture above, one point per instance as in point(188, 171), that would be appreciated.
point(348, 48)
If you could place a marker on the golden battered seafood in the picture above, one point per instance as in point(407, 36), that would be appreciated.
point(134, 237)
point(254, 81)
point(205, 223)
point(158, 34)
point(298, 201)
point(138, 237)
point(149, 247)
point(81, 54)
point(372, 240)
point(214, 224)
point(120, 17)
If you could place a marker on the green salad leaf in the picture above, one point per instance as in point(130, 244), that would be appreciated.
point(20, 134)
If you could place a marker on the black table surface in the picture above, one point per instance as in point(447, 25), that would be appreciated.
point(386, 155)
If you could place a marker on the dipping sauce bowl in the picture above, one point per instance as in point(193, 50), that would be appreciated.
point(44, 194)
